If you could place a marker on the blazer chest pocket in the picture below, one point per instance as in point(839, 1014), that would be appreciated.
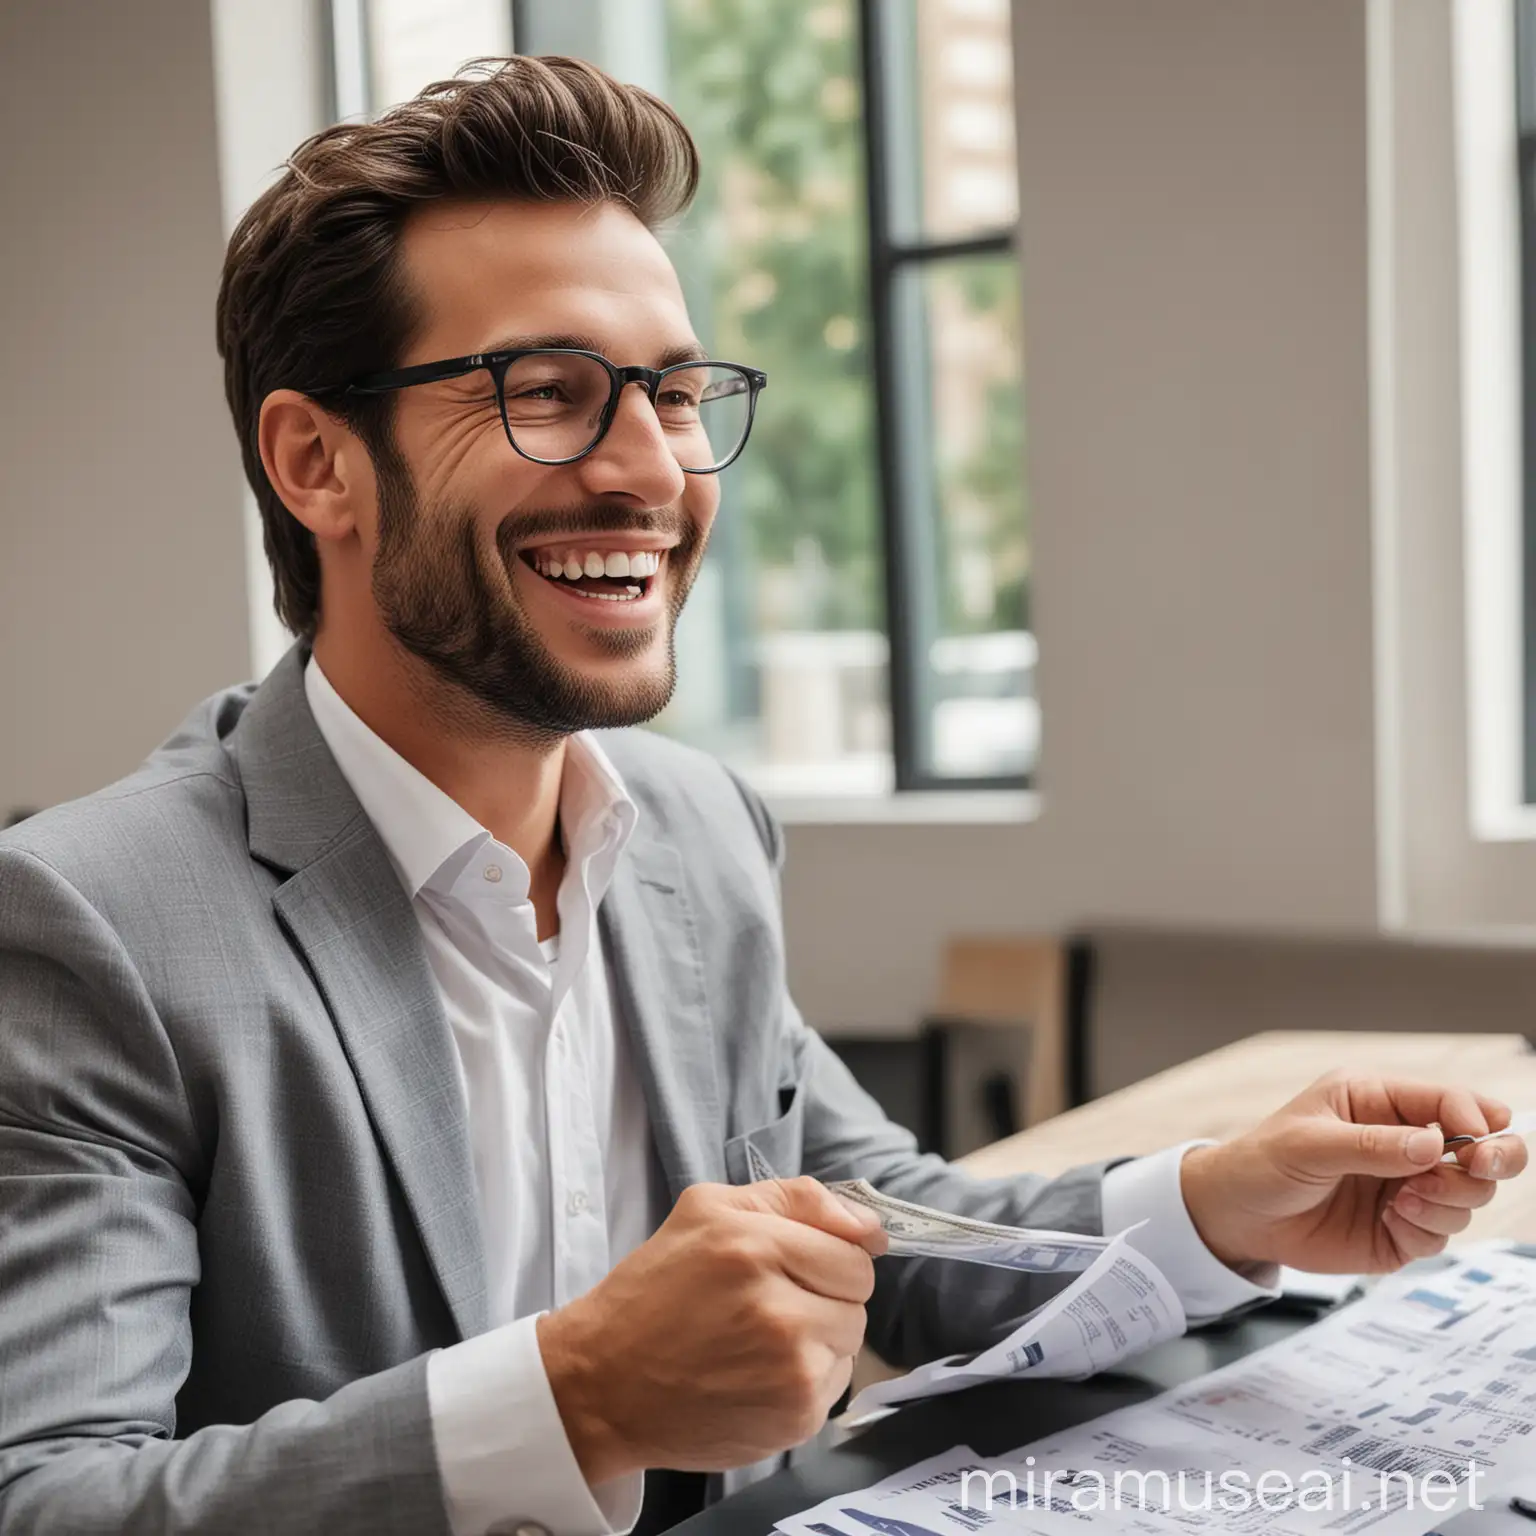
point(774, 1150)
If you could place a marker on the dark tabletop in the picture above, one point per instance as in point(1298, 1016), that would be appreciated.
point(991, 1419)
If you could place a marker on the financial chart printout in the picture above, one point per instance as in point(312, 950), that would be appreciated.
point(1383, 1420)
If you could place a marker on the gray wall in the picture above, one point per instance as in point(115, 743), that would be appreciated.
point(122, 591)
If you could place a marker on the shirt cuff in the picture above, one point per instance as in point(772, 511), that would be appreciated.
point(502, 1450)
point(1148, 1189)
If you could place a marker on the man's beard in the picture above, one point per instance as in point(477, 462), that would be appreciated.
point(445, 598)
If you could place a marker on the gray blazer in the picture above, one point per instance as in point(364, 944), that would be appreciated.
point(236, 1201)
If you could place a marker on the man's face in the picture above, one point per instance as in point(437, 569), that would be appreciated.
point(469, 534)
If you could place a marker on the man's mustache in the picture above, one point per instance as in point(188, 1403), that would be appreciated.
point(548, 523)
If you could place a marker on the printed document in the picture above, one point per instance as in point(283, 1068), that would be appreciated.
point(1385, 1419)
point(1119, 1306)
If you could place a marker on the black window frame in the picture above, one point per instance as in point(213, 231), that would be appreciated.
point(908, 522)
point(897, 348)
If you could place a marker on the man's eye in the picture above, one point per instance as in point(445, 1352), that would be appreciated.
point(677, 400)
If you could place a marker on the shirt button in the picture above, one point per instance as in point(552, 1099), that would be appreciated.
point(525, 1528)
point(576, 1202)
point(493, 874)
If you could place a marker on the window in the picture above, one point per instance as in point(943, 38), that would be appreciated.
point(384, 51)
point(1494, 104)
point(861, 623)
point(1525, 107)
point(942, 207)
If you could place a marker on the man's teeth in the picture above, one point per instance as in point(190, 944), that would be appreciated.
point(573, 564)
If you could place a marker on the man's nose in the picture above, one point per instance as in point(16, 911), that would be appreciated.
point(634, 457)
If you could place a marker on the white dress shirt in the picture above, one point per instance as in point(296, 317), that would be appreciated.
point(565, 1168)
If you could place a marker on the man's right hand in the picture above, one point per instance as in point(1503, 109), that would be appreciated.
point(724, 1339)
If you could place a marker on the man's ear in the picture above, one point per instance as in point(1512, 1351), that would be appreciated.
point(317, 466)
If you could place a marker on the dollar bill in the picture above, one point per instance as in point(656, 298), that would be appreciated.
point(918, 1231)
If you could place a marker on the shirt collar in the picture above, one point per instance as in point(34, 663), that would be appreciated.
point(427, 833)
point(596, 812)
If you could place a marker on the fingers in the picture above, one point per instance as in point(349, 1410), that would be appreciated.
point(1411, 1241)
point(838, 1377)
point(1429, 1215)
point(809, 1201)
point(1439, 1204)
point(1390, 1101)
point(1505, 1157)
point(836, 1325)
point(1397, 1101)
point(1495, 1112)
point(1460, 1112)
point(794, 1227)
point(1449, 1185)
point(1375, 1120)
point(1322, 1148)
point(822, 1264)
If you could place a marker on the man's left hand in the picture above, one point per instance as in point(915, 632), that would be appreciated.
point(1347, 1177)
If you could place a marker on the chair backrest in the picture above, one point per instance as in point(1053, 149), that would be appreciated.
point(1017, 984)
point(1156, 997)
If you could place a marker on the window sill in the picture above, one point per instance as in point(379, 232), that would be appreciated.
point(1507, 824)
point(986, 807)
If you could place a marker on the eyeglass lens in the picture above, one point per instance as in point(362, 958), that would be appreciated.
point(555, 402)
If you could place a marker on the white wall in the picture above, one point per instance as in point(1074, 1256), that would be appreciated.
point(1195, 251)
point(122, 589)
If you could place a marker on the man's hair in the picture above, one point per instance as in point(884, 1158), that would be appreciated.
point(312, 293)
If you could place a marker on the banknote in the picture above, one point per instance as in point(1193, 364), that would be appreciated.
point(917, 1231)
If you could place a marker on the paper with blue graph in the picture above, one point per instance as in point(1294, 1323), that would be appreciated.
point(1385, 1419)
point(1405, 1406)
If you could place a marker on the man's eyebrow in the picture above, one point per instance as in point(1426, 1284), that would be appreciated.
point(690, 353)
point(686, 352)
point(525, 343)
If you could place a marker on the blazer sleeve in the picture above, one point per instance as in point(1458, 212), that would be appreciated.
point(922, 1308)
point(101, 1168)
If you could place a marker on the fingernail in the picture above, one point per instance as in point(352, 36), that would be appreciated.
point(1423, 1146)
point(1495, 1163)
point(1409, 1205)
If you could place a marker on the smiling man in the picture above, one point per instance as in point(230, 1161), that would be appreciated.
point(404, 1123)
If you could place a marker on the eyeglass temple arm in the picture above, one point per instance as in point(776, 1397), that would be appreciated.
point(418, 373)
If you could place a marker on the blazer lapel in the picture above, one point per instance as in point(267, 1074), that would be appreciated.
point(345, 910)
point(657, 975)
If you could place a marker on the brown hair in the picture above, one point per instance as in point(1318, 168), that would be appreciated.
point(312, 295)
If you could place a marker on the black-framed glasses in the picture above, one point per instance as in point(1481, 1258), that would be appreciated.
point(557, 403)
